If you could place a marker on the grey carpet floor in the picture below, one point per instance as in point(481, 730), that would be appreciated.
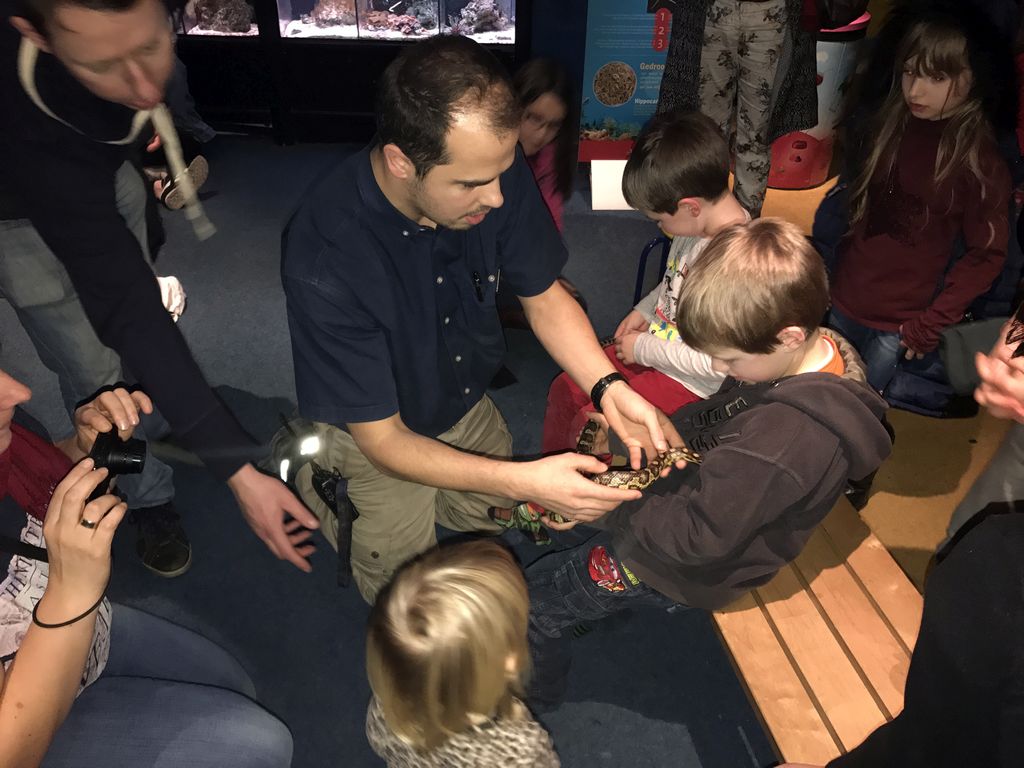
point(648, 688)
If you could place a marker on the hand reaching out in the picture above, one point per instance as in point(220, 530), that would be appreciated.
point(266, 504)
point(556, 483)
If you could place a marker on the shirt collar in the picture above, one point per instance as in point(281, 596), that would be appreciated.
point(375, 199)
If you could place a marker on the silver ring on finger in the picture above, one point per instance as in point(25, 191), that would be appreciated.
point(87, 523)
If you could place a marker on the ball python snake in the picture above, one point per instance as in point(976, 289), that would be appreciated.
point(526, 515)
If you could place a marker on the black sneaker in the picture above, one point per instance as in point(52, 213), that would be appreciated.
point(162, 544)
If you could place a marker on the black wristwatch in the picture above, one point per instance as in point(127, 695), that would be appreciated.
point(602, 386)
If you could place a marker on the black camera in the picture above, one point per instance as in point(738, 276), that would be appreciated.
point(120, 457)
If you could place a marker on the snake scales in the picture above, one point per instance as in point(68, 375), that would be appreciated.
point(526, 516)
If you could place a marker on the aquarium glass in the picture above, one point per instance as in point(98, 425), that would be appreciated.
point(217, 17)
point(486, 21)
point(397, 19)
point(317, 18)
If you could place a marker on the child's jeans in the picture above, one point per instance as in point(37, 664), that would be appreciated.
point(880, 350)
point(562, 595)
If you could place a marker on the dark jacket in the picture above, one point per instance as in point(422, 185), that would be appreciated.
point(708, 534)
point(61, 178)
point(964, 700)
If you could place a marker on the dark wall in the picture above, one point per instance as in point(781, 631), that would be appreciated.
point(559, 32)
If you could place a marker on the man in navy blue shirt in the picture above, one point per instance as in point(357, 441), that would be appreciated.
point(391, 268)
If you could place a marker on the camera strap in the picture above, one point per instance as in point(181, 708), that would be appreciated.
point(18, 547)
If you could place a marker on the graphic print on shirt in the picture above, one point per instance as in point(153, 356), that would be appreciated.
point(684, 253)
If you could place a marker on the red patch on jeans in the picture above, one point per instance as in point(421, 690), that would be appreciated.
point(604, 571)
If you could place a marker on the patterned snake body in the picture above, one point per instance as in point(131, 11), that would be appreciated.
point(526, 516)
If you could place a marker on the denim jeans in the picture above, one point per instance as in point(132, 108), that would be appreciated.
point(168, 698)
point(39, 290)
point(562, 595)
point(880, 350)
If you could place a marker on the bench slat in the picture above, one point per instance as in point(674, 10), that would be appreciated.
point(780, 696)
point(889, 587)
point(873, 643)
point(850, 707)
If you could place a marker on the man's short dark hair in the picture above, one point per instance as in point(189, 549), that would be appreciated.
point(678, 154)
point(429, 84)
point(39, 12)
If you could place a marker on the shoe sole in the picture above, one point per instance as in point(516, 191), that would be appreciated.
point(170, 574)
point(199, 171)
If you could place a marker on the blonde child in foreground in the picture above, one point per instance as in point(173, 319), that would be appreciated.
point(447, 657)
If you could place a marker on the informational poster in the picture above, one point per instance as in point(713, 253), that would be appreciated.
point(627, 42)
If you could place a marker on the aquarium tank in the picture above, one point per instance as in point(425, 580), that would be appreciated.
point(486, 21)
point(397, 19)
point(217, 17)
point(317, 18)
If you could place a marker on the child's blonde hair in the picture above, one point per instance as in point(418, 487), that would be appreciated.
point(933, 48)
point(446, 645)
point(750, 282)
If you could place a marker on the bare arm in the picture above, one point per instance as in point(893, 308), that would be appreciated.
point(554, 482)
point(562, 327)
point(39, 689)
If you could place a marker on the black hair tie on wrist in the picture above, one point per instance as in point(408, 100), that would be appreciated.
point(602, 386)
point(38, 623)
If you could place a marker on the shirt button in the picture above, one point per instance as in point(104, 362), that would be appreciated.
point(490, 278)
point(458, 358)
point(447, 320)
point(465, 391)
point(405, 233)
point(440, 279)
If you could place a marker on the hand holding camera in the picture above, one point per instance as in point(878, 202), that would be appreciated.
point(113, 409)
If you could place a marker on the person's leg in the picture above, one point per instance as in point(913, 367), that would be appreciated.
point(130, 195)
point(564, 593)
point(39, 289)
point(1002, 480)
point(41, 294)
point(761, 37)
point(880, 350)
point(718, 64)
point(144, 645)
point(129, 722)
point(168, 697)
point(482, 431)
point(183, 108)
point(396, 518)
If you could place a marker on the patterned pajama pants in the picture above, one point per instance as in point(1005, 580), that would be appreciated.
point(739, 61)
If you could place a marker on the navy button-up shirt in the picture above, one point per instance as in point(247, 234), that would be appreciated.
point(390, 317)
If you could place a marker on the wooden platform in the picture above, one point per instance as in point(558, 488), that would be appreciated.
point(824, 648)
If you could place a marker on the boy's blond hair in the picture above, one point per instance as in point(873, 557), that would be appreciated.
point(751, 281)
point(440, 638)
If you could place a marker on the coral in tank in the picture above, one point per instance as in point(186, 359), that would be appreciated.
point(223, 15)
point(330, 13)
point(383, 21)
point(425, 12)
point(483, 16)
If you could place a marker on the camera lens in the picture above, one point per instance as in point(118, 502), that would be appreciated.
point(120, 457)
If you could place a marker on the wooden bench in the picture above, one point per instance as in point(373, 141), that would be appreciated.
point(823, 649)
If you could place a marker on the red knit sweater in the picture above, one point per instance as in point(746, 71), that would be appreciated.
point(892, 267)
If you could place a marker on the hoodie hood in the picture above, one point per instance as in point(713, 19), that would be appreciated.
point(847, 408)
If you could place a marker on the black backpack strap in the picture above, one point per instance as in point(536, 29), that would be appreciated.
point(17, 547)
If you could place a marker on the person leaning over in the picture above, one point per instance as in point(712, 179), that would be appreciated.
point(391, 267)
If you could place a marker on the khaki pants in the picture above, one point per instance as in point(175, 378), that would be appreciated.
point(396, 517)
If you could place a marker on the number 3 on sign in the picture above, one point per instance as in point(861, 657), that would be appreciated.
point(662, 19)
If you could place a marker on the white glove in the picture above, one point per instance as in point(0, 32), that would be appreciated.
point(173, 296)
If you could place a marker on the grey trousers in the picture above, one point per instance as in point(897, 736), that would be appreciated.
point(39, 289)
point(1002, 480)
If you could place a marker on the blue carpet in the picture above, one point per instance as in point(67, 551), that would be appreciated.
point(648, 688)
